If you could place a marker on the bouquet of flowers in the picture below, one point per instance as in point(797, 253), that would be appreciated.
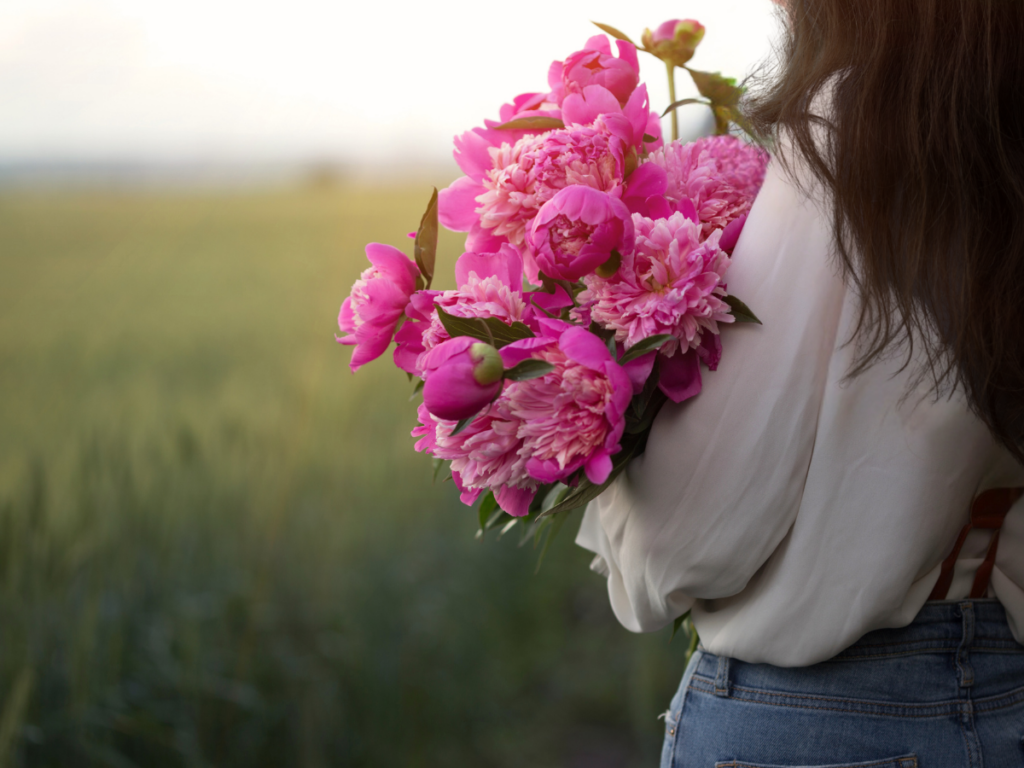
point(592, 289)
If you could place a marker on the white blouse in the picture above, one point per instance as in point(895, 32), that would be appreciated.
point(792, 509)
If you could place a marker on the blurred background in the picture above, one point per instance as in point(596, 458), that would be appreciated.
point(217, 545)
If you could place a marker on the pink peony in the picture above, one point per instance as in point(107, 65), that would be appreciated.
point(595, 65)
point(721, 175)
point(577, 231)
point(528, 174)
point(510, 174)
point(574, 416)
point(462, 376)
point(378, 299)
point(670, 284)
point(486, 455)
point(490, 285)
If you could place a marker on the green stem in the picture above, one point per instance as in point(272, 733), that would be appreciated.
point(672, 98)
point(694, 639)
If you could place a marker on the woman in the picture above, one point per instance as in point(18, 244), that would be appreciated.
point(813, 508)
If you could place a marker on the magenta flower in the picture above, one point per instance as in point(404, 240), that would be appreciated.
point(369, 315)
point(577, 231)
point(721, 175)
point(462, 376)
point(596, 65)
point(486, 455)
point(672, 283)
point(574, 416)
point(489, 285)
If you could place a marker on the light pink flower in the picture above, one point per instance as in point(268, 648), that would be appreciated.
point(378, 299)
point(574, 416)
point(596, 65)
point(486, 455)
point(672, 283)
point(577, 231)
point(721, 175)
point(490, 285)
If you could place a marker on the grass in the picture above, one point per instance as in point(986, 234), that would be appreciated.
point(217, 546)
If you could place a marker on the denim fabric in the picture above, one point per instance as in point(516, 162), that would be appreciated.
point(945, 692)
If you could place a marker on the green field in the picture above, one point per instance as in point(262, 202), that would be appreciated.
point(217, 545)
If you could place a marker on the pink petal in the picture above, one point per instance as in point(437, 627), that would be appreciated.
point(515, 501)
point(598, 467)
point(472, 153)
point(394, 264)
point(731, 233)
point(638, 111)
point(445, 350)
point(346, 320)
point(639, 370)
point(456, 205)
point(627, 52)
point(583, 347)
point(513, 354)
point(584, 109)
point(506, 265)
point(598, 43)
point(680, 376)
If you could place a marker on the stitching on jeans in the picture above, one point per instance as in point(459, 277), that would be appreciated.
point(846, 710)
point(909, 761)
point(812, 697)
point(926, 649)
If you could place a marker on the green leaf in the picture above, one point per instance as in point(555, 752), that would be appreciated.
point(716, 88)
point(641, 348)
point(438, 464)
point(648, 139)
point(682, 103)
point(489, 329)
point(488, 504)
point(538, 123)
point(678, 624)
point(417, 390)
point(613, 32)
point(426, 241)
point(741, 311)
point(529, 369)
point(463, 424)
point(556, 526)
point(611, 266)
point(646, 418)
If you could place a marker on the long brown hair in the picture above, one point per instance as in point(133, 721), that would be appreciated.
point(921, 150)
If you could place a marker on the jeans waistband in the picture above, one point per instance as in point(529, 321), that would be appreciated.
point(942, 625)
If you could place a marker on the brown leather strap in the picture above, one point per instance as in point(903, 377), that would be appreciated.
point(988, 512)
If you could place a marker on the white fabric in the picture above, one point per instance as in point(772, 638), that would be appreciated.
point(792, 508)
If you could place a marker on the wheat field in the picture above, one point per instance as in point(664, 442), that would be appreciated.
point(217, 545)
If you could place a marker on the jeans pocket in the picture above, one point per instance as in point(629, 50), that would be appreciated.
point(906, 761)
point(675, 714)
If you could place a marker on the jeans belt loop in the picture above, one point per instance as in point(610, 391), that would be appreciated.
point(964, 670)
point(722, 677)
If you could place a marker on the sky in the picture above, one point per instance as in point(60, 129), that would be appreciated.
point(362, 81)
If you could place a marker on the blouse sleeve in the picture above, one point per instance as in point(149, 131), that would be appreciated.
point(721, 481)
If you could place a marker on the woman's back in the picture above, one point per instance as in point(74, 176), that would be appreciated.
point(793, 507)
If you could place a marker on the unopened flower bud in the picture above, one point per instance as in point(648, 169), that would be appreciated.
point(675, 41)
point(462, 376)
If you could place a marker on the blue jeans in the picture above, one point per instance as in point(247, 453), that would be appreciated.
point(946, 691)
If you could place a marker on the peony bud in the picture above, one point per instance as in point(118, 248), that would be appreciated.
point(462, 376)
point(674, 41)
